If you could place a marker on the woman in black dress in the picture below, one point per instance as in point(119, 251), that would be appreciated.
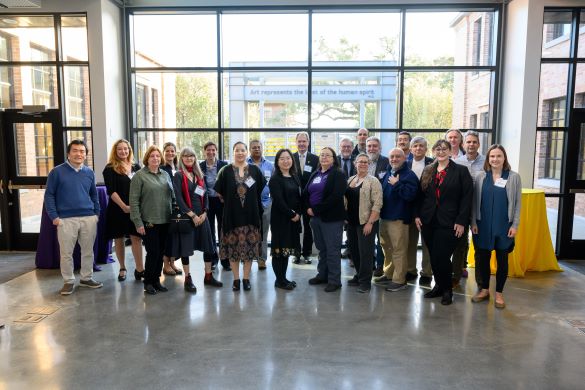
point(285, 215)
point(192, 199)
point(442, 213)
point(169, 165)
point(117, 175)
point(240, 185)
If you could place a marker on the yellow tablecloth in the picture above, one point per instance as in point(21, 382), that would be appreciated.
point(533, 250)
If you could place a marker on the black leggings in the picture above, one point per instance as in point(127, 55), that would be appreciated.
point(207, 257)
point(501, 273)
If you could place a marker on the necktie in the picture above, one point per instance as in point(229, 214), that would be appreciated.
point(302, 161)
point(346, 166)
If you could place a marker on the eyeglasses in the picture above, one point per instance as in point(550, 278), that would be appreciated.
point(441, 150)
point(188, 156)
point(326, 155)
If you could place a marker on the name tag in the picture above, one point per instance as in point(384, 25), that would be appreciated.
point(200, 190)
point(308, 169)
point(317, 180)
point(381, 175)
point(250, 182)
point(501, 183)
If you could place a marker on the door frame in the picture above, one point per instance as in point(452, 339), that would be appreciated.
point(12, 238)
point(570, 186)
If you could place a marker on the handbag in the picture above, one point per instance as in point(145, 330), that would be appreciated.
point(181, 223)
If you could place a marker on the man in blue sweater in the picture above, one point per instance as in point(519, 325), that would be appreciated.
point(400, 188)
point(72, 204)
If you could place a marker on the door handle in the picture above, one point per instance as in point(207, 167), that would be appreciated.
point(1, 187)
point(24, 186)
point(10, 187)
point(577, 191)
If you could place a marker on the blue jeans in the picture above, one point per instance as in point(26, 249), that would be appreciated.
point(328, 238)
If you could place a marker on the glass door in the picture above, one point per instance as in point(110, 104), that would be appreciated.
point(572, 216)
point(33, 145)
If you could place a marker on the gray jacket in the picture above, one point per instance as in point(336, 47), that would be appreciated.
point(513, 190)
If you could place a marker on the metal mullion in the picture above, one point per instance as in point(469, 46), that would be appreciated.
point(219, 75)
point(451, 68)
point(496, 78)
point(310, 75)
point(399, 125)
point(552, 128)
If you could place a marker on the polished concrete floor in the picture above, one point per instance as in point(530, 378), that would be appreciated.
point(117, 338)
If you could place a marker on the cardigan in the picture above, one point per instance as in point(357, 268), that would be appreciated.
point(513, 191)
point(370, 197)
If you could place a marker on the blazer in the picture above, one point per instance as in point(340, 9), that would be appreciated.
point(454, 205)
point(382, 165)
point(312, 161)
point(370, 197)
point(332, 206)
point(352, 170)
point(513, 191)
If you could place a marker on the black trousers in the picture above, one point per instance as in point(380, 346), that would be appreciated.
point(154, 242)
point(485, 269)
point(362, 251)
point(279, 266)
point(214, 213)
point(307, 236)
point(441, 243)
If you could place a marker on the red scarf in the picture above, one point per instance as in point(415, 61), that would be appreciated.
point(185, 188)
point(439, 178)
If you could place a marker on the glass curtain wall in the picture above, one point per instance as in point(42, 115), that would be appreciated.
point(562, 88)
point(225, 75)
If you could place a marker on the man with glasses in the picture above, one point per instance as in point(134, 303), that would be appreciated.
point(346, 163)
point(267, 168)
point(474, 161)
point(306, 163)
point(377, 168)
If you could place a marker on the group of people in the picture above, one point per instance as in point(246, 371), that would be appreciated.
point(173, 204)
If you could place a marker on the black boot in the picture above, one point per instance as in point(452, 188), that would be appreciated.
point(189, 286)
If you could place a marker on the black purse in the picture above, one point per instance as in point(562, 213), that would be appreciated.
point(181, 223)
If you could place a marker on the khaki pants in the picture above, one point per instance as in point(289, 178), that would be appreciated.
point(69, 232)
point(413, 235)
point(394, 241)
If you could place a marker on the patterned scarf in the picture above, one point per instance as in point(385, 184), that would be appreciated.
point(439, 178)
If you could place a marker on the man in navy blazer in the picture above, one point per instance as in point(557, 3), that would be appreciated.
point(210, 168)
point(418, 162)
point(345, 158)
point(306, 163)
point(400, 188)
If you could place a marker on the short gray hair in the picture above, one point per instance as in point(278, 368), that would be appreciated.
point(374, 138)
point(419, 140)
point(346, 139)
point(472, 133)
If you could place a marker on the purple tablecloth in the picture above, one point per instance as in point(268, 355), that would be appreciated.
point(48, 245)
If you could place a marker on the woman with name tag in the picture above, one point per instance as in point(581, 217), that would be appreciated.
point(323, 198)
point(169, 165)
point(494, 219)
point(240, 185)
point(117, 175)
point(192, 200)
point(285, 216)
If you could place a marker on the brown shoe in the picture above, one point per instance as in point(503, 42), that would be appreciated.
point(262, 264)
point(499, 304)
point(480, 297)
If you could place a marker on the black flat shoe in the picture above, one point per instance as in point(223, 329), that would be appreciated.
point(447, 298)
point(353, 281)
point(122, 276)
point(138, 275)
point(434, 293)
point(247, 285)
point(317, 280)
point(332, 287)
point(212, 282)
point(160, 288)
point(236, 285)
point(292, 282)
point(149, 289)
point(284, 286)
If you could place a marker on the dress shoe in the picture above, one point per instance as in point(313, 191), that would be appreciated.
point(122, 275)
point(236, 285)
point(379, 271)
point(247, 285)
point(159, 287)
point(447, 298)
point(410, 276)
point(308, 260)
point(294, 284)
point(434, 293)
point(138, 275)
point(284, 285)
point(317, 280)
point(332, 287)
point(212, 282)
point(261, 264)
point(353, 281)
point(189, 286)
point(480, 297)
point(149, 289)
point(297, 260)
point(425, 280)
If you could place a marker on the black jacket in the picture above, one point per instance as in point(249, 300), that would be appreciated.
point(382, 165)
point(331, 208)
point(454, 203)
point(352, 170)
point(312, 161)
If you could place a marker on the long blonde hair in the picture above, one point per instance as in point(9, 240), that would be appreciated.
point(115, 162)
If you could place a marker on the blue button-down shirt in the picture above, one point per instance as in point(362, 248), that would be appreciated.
point(267, 169)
